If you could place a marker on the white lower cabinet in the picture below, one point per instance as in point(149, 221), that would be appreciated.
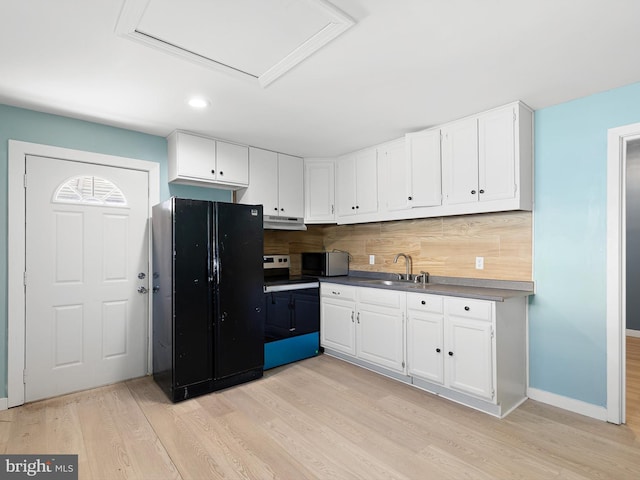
point(380, 329)
point(469, 356)
point(451, 342)
point(425, 337)
point(468, 350)
point(365, 323)
point(337, 318)
point(471, 351)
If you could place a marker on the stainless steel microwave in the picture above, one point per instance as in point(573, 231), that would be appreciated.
point(325, 264)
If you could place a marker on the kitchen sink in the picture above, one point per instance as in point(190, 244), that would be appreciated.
point(401, 283)
point(389, 283)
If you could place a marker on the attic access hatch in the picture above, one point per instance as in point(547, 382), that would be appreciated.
point(257, 39)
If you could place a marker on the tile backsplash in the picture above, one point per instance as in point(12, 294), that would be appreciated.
point(443, 246)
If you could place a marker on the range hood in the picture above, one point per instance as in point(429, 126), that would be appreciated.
point(274, 222)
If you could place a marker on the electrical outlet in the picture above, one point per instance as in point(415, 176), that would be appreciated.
point(372, 259)
point(479, 263)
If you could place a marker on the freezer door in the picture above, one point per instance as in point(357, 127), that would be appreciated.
point(192, 293)
point(239, 304)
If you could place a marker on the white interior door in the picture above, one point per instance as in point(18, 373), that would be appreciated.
point(86, 251)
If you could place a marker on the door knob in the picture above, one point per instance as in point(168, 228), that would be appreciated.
point(143, 290)
point(141, 275)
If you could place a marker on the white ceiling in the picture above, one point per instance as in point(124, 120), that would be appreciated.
point(405, 65)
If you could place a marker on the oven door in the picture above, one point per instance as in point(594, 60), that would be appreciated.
point(291, 313)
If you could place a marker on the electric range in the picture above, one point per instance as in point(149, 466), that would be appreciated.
point(292, 306)
point(277, 277)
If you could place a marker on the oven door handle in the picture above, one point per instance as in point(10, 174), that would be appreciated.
point(292, 315)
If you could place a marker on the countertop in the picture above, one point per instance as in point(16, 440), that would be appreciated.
point(483, 289)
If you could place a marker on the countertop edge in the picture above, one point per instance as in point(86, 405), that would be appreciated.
point(450, 287)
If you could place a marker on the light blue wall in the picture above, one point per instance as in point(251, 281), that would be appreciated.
point(567, 316)
point(35, 127)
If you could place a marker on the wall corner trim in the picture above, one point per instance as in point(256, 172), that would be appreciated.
point(566, 403)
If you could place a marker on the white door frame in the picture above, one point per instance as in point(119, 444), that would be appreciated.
point(616, 269)
point(16, 245)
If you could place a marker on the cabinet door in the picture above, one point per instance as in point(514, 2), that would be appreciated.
point(263, 181)
point(469, 360)
point(196, 156)
point(425, 346)
point(337, 325)
point(290, 186)
point(319, 191)
point(460, 162)
point(380, 336)
point(366, 182)
point(232, 163)
point(497, 155)
point(393, 164)
point(424, 177)
point(346, 185)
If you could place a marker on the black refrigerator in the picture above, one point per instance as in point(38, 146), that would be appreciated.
point(208, 310)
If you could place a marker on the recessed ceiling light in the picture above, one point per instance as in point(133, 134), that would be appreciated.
point(198, 102)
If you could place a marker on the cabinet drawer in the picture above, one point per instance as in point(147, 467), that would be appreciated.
point(334, 290)
point(464, 307)
point(380, 297)
point(425, 303)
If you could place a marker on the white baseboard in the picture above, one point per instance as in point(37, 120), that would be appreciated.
point(566, 403)
point(633, 333)
point(4, 403)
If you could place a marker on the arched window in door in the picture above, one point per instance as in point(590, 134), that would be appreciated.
point(90, 190)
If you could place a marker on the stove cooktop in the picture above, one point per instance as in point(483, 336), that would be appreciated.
point(291, 283)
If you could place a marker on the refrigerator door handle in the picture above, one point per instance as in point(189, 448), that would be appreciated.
point(217, 270)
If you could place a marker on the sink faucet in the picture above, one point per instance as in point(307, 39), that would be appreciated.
point(423, 277)
point(407, 260)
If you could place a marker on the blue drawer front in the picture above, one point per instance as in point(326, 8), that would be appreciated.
point(290, 350)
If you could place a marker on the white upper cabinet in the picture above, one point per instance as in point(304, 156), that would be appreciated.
point(276, 182)
point(198, 160)
point(319, 190)
point(460, 161)
point(263, 181)
point(232, 162)
point(394, 168)
point(346, 185)
point(290, 186)
point(481, 163)
point(497, 155)
point(424, 177)
point(487, 161)
point(357, 184)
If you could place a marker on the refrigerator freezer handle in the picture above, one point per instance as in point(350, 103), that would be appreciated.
point(217, 270)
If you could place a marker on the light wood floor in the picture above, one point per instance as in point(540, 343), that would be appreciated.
point(316, 419)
